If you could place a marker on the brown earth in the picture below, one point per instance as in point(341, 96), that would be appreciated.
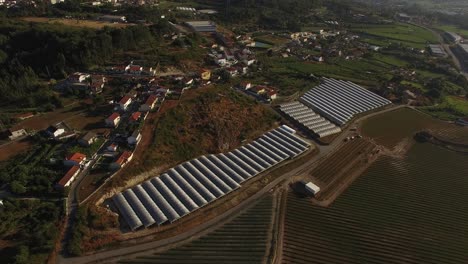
point(14, 148)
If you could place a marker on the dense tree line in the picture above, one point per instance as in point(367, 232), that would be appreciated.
point(32, 52)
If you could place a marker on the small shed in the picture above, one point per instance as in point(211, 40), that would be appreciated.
point(312, 188)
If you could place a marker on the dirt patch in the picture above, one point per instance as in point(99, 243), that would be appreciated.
point(14, 148)
point(76, 22)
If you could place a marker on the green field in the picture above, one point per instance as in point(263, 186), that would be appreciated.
point(410, 210)
point(454, 29)
point(389, 128)
point(451, 108)
point(406, 34)
point(245, 239)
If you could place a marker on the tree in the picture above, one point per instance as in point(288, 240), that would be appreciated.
point(22, 257)
point(17, 187)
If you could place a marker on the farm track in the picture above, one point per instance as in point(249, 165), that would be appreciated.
point(411, 222)
point(337, 170)
point(245, 239)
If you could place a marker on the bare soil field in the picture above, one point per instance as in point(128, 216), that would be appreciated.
point(76, 22)
point(43, 120)
point(14, 148)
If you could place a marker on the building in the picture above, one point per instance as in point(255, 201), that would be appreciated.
point(78, 77)
point(88, 139)
point(125, 102)
point(55, 131)
point(134, 117)
point(437, 50)
point(312, 188)
point(134, 138)
point(113, 19)
point(113, 120)
point(14, 134)
point(74, 159)
point(134, 69)
point(245, 85)
point(452, 37)
point(463, 121)
point(201, 26)
point(149, 103)
point(112, 147)
point(121, 160)
point(68, 178)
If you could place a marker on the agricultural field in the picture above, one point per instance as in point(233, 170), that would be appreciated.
point(410, 210)
point(451, 108)
point(406, 34)
point(454, 29)
point(337, 170)
point(244, 239)
point(390, 128)
point(75, 22)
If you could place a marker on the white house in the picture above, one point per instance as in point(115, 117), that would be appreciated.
point(68, 178)
point(88, 139)
point(312, 188)
point(55, 131)
point(121, 160)
point(134, 138)
point(125, 102)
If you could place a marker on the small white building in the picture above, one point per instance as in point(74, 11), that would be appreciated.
point(125, 102)
point(55, 131)
point(113, 120)
point(312, 188)
point(149, 103)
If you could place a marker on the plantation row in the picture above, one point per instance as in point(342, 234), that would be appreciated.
point(243, 240)
point(400, 211)
point(331, 172)
point(453, 133)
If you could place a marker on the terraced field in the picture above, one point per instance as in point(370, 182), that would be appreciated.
point(410, 210)
point(334, 171)
point(457, 134)
point(243, 240)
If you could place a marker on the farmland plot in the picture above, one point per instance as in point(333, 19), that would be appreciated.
point(243, 240)
point(410, 210)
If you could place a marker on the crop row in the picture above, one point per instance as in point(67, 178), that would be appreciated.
point(400, 211)
point(242, 240)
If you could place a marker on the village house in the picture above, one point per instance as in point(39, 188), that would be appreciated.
point(121, 160)
point(14, 134)
point(125, 102)
point(232, 71)
point(245, 85)
point(68, 178)
point(134, 69)
point(134, 117)
point(88, 139)
point(55, 131)
point(113, 120)
point(74, 159)
point(78, 77)
point(149, 103)
point(134, 138)
point(112, 147)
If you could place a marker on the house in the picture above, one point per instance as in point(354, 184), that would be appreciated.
point(271, 94)
point(14, 134)
point(134, 69)
point(97, 84)
point(249, 62)
point(125, 102)
point(245, 85)
point(68, 178)
point(149, 103)
point(134, 138)
point(112, 147)
point(232, 71)
point(74, 159)
point(134, 117)
point(113, 120)
point(78, 77)
point(121, 160)
point(55, 131)
point(318, 58)
point(88, 139)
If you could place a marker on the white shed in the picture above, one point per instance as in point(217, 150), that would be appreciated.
point(312, 188)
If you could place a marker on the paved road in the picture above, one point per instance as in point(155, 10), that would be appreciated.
point(144, 248)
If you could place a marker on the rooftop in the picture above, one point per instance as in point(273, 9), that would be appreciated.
point(65, 179)
point(77, 157)
point(113, 116)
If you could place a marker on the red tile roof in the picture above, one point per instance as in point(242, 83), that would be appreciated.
point(77, 157)
point(135, 68)
point(123, 157)
point(124, 99)
point(68, 175)
point(113, 116)
point(151, 99)
point(135, 116)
